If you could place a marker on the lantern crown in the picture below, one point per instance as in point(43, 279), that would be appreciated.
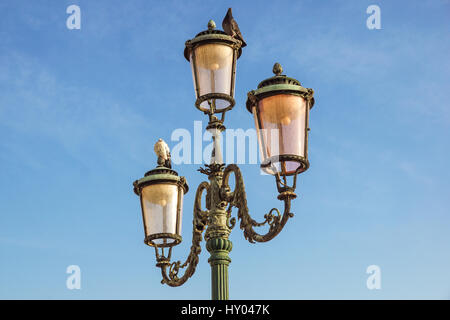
point(278, 78)
point(211, 35)
point(277, 84)
point(277, 69)
point(160, 175)
point(211, 25)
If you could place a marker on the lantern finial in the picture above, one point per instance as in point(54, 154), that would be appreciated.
point(277, 69)
point(163, 152)
point(211, 25)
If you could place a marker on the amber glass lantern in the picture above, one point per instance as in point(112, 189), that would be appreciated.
point(213, 54)
point(161, 193)
point(280, 107)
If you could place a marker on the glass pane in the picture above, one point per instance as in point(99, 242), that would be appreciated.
point(280, 122)
point(214, 64)
point(159, 203)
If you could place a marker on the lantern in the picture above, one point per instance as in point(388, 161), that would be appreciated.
point(280, 107)
point(213, 54)
point(161, 193)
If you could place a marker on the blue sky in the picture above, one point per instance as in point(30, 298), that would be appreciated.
point(80, 111)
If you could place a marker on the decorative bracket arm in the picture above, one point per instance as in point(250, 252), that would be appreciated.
point(170, 276)
point(238, 199)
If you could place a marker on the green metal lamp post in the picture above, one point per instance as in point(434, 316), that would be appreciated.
point(280, 107)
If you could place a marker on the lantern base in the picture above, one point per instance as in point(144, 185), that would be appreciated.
point(275, 164)
point(210, 100)
point(163, 240)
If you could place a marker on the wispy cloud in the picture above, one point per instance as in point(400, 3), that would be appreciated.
point(402, 67)
point(36, 102)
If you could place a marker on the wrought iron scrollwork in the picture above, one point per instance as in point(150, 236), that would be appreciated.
point(170, 276)
point(238, 199)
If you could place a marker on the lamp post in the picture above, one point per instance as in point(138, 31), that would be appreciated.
point(280, 106)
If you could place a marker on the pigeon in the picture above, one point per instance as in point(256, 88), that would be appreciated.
point(163, 152)
point(231, 27)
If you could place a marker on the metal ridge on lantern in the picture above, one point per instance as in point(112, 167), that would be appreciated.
point(280, 107)
point(213, 54)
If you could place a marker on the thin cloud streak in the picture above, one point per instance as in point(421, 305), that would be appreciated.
point(36, 102)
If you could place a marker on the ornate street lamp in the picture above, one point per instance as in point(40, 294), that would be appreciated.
point(280, 107)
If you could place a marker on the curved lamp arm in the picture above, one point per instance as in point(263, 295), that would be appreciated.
point(238, 199)
point(199, 222)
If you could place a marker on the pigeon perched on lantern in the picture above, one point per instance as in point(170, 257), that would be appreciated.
point(231, 27)
point(163, 152)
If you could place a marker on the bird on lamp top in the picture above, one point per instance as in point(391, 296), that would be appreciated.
point(163, 152)
point(231, 27)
